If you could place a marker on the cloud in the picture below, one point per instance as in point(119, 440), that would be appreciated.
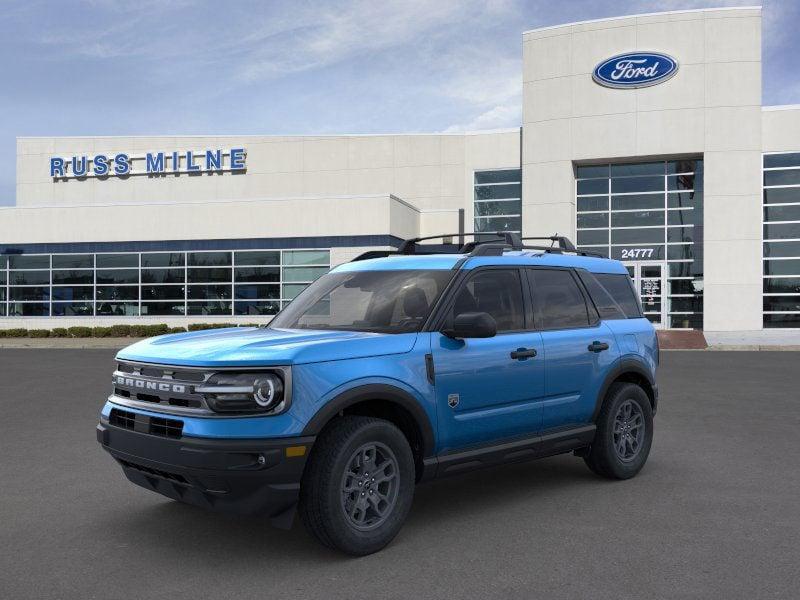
point(498, 117)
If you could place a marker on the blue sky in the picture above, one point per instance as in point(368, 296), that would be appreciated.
point(151, 67)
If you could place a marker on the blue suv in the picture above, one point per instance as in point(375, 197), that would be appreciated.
point(389, 370)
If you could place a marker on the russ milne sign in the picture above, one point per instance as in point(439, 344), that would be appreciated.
point(151, 163)
point(635, 70)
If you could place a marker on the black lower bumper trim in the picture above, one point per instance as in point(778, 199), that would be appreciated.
point(250, 477)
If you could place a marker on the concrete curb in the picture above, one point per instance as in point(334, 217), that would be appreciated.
point(66, 343)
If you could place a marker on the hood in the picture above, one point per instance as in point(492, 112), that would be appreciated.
point(257, 346)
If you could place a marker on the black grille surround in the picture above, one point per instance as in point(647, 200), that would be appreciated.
point(170, 428)
point(173, 389)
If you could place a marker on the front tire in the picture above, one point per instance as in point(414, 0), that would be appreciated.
point(358, 486)
point(624, 433)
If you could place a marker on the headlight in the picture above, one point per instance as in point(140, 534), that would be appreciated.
point(244, 392)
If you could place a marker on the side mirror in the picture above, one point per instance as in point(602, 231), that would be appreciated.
point(472, 325)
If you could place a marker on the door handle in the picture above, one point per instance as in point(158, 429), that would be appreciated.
point(598, 346)
point(523, 353)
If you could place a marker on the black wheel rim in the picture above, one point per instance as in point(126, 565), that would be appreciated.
point(628, 430)
point(369, 486)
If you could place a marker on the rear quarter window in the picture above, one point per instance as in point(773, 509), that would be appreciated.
point(612, 294)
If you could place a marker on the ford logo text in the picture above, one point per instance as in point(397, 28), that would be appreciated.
point(635, 70)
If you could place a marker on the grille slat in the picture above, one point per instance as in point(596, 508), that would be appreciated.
point(170, 428)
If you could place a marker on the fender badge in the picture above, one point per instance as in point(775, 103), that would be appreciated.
point(452, 400)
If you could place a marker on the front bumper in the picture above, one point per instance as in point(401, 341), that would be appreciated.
point(250, 477)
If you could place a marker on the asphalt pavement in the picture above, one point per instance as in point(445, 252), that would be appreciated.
point(714, 514)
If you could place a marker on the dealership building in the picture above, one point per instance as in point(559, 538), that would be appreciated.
point(643, 138)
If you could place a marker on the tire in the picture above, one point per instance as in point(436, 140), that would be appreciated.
point(611, 454)
point(331, 505)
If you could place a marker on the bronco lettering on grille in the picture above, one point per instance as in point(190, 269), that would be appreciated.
point(143, 384)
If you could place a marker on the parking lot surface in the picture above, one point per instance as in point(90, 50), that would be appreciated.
point(714, 514)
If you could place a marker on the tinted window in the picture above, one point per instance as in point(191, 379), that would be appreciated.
point(605, 303)
point(496, 292)
point(621, 290)
point(558, 299)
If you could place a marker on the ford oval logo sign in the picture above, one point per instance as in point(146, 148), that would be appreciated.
point(635, 70)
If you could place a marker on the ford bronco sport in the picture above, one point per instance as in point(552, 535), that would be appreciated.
point(389, 370)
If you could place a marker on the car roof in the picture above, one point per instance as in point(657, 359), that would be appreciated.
point(465, 261)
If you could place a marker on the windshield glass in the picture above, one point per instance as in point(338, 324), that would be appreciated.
point(374, 301)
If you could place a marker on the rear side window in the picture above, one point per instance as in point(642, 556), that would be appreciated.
point(558, 299)
point(615, 295)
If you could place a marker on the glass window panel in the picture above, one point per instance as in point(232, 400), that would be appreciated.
point(638, 252)
point(28, 309)
point(782, 213)
point(694, 304)
point(593, 220)
point(291, 291)
point(3, 261)
point(680, 252)
point(496, 292)
point(601, 250)
point(781, 249)
point(84, 292)
point(684, 217)
point(686, 321)
point(306, 257)
point(73, 261)
point(257, 292)
point(619, 295)
point(257, 274)
point(299, 274)
point(124, 292)
point(29, 277)
point(684, 166)
point(680, 234)
point(488, 209)
point(491, 192)
point(651, 168)
point(2, 294)
point(73, 309)
point(782, 231)
point(782, 267)
point(498, 224)
point(782, 160)
point(2, 277)
point(117, 261)
point(117, 276)
point(209, 308)
point(163, 275)
point(593, 203)
point(587, 171)
point(637, 184)
point(681, 269)
point(782, 303)
point(209, 259)
point(162, 292)
point(684, 182)
point(788, 177)
point(637, 236)
point(73, 277)
point(256, 308)
point(593, 186)
point(163, 259)
point(209, 292)
point(117, 309)
point(2, 310)
point(590, 237)
point(29, 293)
point(499, 176)
point(776, 321)
point(637, 219)
point(162, 308)
point(685, 286)
point(559, 301)
point(637, 201)
point(782, 195)
point(220, 275)
point(685, 199)
point(257, 258)
point(782, 285)
point(25, 261)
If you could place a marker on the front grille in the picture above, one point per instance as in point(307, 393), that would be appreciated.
point(170, 428)
point(157, 472)
point(163, 386)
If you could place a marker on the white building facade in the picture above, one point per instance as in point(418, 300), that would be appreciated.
point(675, 168)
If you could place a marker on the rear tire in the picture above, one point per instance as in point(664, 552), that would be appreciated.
point(624, 433)
point(358, 486)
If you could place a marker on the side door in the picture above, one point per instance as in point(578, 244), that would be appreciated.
point(489, 388)
point(579, 349)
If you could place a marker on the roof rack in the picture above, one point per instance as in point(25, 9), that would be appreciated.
point(485, 243)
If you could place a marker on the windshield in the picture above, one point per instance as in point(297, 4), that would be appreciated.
point(374, 301)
